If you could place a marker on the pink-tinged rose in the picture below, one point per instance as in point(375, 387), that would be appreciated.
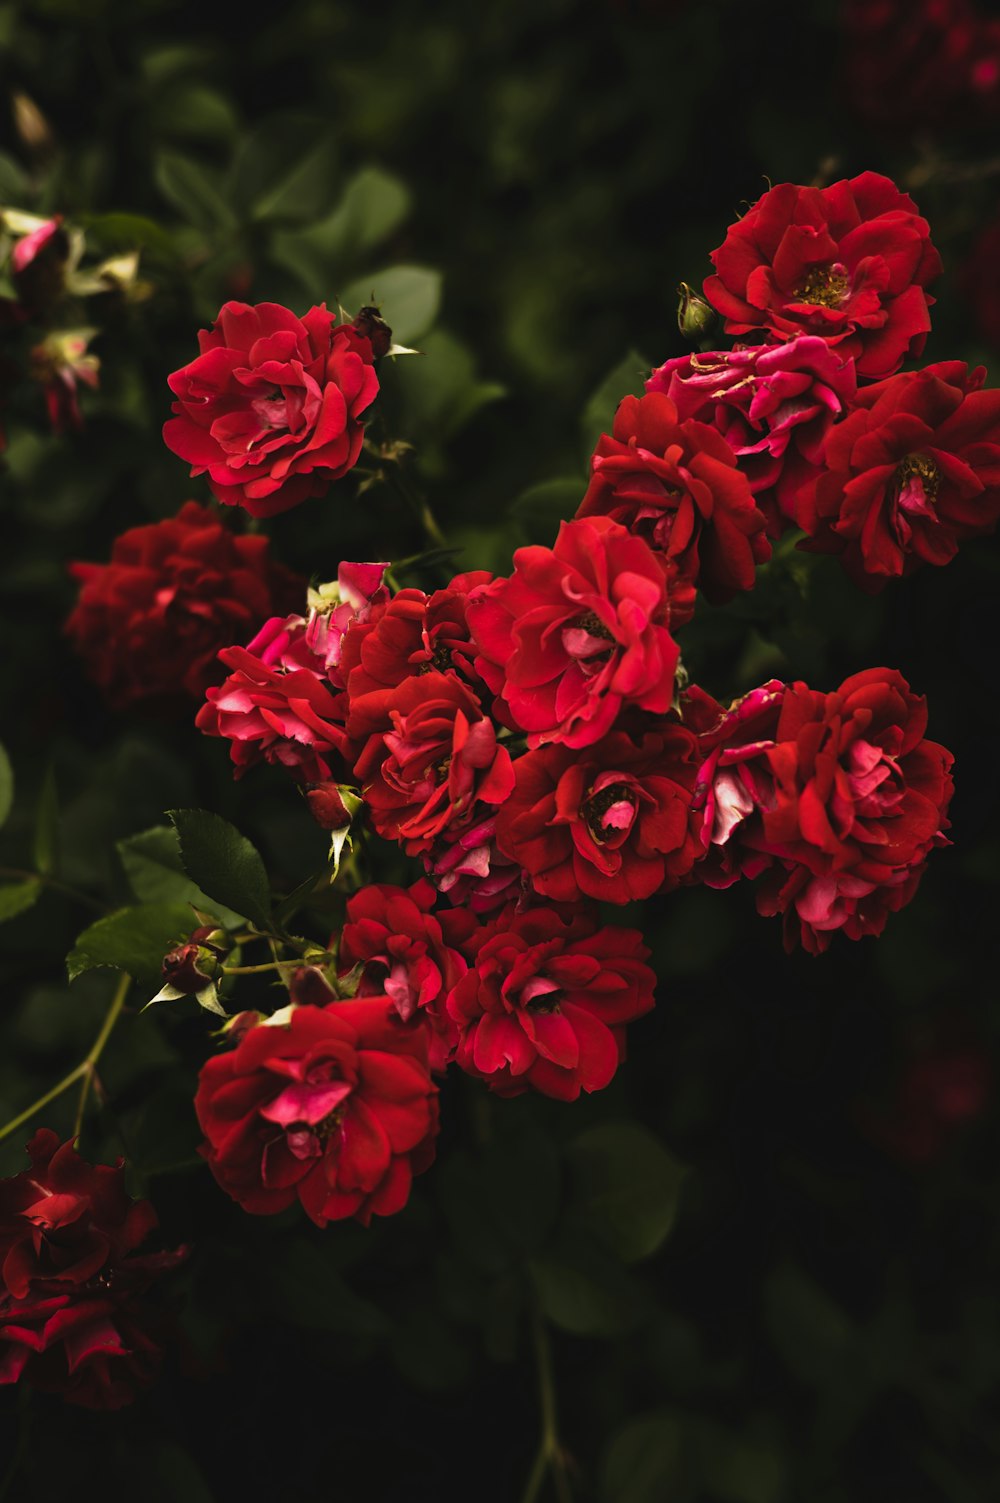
point(149, 623)
point(912, 472)
point(676, 485)
point(278, 706)
point(848, 263)
point(59, 364)
point(358, 595)
point(408, 954)
point(334, 1108)
point(431, 760)
point(272, 407)
point(773, 404)
point(735, 782)
point(613, 821)
point(74, 1319)
point(467, 865)
point(577, 634)
point(544, 1002)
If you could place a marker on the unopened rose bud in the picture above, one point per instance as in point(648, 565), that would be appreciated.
point(38, 265)
point(190, 968)
point(333, 805)
point(373, 326)
point(694, 316)
point(310, 986)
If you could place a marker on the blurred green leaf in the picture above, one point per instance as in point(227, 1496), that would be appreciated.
point(18, 897)
point(628, 379)
point(285, 168)
point(6, 786)
point(644, 1462)
point(47, 824)
point(155, 872)
point(627, 1187)
point(373, 205)
point(541, 508)
point(408, 297)
point(193, 111)
point(132, 939)
point(586, 1292)
point(194, 191)
point(311, 1293)
point(224, 863)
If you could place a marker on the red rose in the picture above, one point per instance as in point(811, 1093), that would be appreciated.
point(431, 759)
point(734, 779)
point(72, 1316)
point(150, 623)
point(773, 404)
point(407, 954)
point(613, 822)
point(859, 799)
point(277, 705)
point(911, 473)
point(545, 1002)
point(676, 484)
point(334, 1107)
point(849, 263)
point(413, 633)
point(576, 634)
point(466, 864)
point(272, 406)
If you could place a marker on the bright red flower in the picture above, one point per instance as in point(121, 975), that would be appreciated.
point(576, 634)
point(612, 822)
point(271, 408)
point(545, 1000)
point(849, 262)
point(676, 484)
point(734, 779)
point(431, 760)
point(73, 1320)
point(774, 405)
point(913, 471)
point(407, 953)
point(149, 623)
point(333, 1107)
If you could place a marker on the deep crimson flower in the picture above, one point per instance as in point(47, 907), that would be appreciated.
point(412, 633)
point(913, 471)
point(945, 1085)
point(408, 954)
point(73, 1320)
point(149, 623)
point(979, 282)
point(857, 800)
point(431, 760)
point(734, 779)
point(545, 1001)
point(676, 484)
point(332, 1106)
point(773, 404)
point(271, 408)
point(467, 865)
point(577, 633)
point(849, 262)
point(612, 822)
point(278, 706)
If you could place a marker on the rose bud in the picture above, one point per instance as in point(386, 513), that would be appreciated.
point(373, 326)
point(193, 969)
point(694, 316)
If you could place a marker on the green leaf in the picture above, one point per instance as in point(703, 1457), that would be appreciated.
point(6, 786)
point(408, 296)
point(132, 939)
point(628, 379)
point(583, 1291)
point(301, 191)
point(193, 190)
point(540, 509)
point(374, 203)
point(125, 232)
point(47, 824)
point(312, 1294)
point(155, 873)
point(644, 1462)
point(18, 897)
point(627, 1188)
point(224, 863)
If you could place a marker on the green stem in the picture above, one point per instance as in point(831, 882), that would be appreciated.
point(549, 1459)
point(255, 970)
point(36, 1106)
point(20, 875)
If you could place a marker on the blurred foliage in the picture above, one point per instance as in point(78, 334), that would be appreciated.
point(521, 188)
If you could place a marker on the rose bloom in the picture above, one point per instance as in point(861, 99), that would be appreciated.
point(333, 1106)
point(271, 408)
point(466, 864)
point(408, 954)
point(613, 822)
point(676, 484)
point(278, 706)
point(430, 761)
point(773, 404)
point(850, 801)
point(149, 623)
point(577, 633)
point(734, 777)
point(913, 471)
point(545, 1000)
point(73, 1318)
point(849, 262)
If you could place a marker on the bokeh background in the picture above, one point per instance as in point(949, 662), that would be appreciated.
point(823, 1321)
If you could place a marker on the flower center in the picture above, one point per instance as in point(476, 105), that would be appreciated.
point(587, 637)
point(922, 469)
point(824, 286)
point(438, 662)
point(610, 812)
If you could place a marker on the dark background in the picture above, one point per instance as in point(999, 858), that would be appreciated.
point(824, 1321)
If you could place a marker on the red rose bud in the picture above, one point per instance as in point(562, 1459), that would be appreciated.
point(333, 805)
point(39, 260)
point(695, 317)
point(373, 326)
point(190, 968)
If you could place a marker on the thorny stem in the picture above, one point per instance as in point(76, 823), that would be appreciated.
point(86, 1070)
point(549, 1458)
point(255, 970)
point(20, 875)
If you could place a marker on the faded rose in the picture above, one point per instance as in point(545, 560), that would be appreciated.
point(849, 263)
point(272, 406)
point(576, 634)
